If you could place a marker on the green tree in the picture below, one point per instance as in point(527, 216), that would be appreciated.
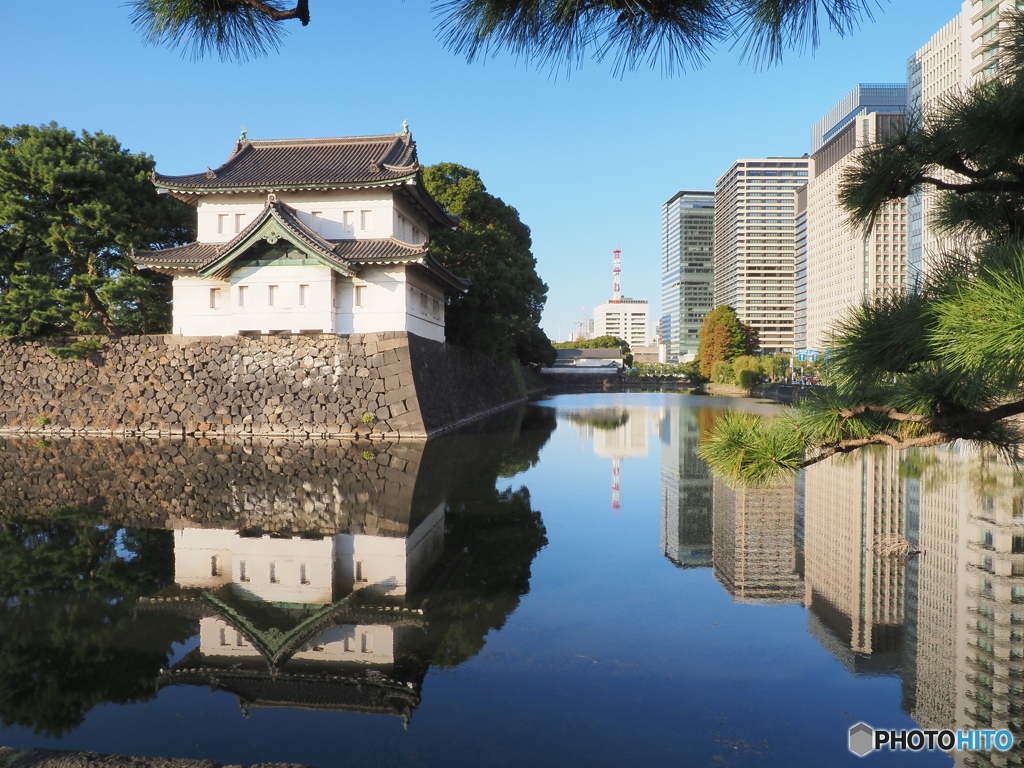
point(500, 314)
point(722, 373)
point(723, 337)
point(944, 361)
point(673, 33)
point(71, 210)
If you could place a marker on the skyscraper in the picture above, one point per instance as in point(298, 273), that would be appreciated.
point(846, 264)
point(687, 261)
point(958, 55)
point(755, 202)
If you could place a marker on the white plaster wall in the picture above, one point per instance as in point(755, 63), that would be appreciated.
point(287, 314)
point(191, 311)
point(193, 315)
point(360, 643)
point(374, 564)
point(195, 551)
point(393, 300)
point(272, 570)
point(341, 214)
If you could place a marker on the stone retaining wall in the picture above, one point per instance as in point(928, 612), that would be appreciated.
point(376, 385)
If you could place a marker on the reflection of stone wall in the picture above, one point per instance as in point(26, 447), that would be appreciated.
point(377, 488)
point(369, 385)
point(277, 485)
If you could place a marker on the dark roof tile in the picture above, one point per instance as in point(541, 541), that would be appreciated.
point(306, 163)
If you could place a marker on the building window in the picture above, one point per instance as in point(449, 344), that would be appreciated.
point(315, 218)
point(224, 636)
point(303, 291)
point(214, 298)
point(360, 295)
point(303, 576)
point(242, 290)
point(214, 566)
point(243, 573)
point(365, 220)
point(222, 223)
point(360, 576)
point(239, 222)
point(271, 295)
point(350, 643)
point(349, 219)
point(367, 642)
point(273, 574)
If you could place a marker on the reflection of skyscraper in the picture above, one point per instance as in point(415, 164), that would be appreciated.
point(852, 506)
point(754, 543)
point(686, 492)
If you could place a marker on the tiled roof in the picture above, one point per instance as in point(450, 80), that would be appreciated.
point(306, 163)
point(611, 353)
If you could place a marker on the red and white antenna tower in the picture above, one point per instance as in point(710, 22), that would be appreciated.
point(616, 269)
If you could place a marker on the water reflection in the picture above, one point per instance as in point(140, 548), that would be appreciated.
point(841, 538)
point(296, 575)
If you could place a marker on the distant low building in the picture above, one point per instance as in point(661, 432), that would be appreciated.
point(646, 355)
point(588, 360)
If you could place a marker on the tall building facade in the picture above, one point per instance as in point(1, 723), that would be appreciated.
point(959, 55)
point(687, 277)
point(755, 244)
point(629, 319)
point(800, 271)
point(845, 263)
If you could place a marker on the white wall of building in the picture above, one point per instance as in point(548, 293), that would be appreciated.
point(309, 297)
point(628, 319)
point(361, 215)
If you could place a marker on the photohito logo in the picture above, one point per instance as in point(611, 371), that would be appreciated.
point(865, 739)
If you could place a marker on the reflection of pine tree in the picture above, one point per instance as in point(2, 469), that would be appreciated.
point(68, 641)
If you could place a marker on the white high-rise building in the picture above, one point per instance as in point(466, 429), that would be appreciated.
point(629, 319)
point(959, 55)
point(847, 265)
point(755, 218)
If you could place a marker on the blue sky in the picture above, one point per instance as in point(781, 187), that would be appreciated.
point(586, 159)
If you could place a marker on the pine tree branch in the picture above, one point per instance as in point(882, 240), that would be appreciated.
point(981, 185)
point(300, 11)
point(958, 426)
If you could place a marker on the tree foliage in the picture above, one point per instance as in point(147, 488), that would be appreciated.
point(723, 337)
point(944, 361)
point(69, 640)
point(500, 314)
point(71, 210)
point(675, 34)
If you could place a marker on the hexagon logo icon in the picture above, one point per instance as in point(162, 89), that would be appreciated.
point(862, 739)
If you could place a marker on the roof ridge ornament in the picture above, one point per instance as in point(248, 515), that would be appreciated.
point(271, 198)
point(210, 173)
point(405, 129)
point(244, 137)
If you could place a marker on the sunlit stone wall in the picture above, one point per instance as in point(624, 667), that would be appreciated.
point(373, 385)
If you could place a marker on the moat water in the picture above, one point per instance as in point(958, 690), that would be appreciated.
point(562, 585)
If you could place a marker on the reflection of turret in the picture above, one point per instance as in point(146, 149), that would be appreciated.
point(287, 622)
point(754, 545)
point(686, 492)
point(856, 596)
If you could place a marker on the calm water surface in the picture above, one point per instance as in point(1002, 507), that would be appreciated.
point(563, 585)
